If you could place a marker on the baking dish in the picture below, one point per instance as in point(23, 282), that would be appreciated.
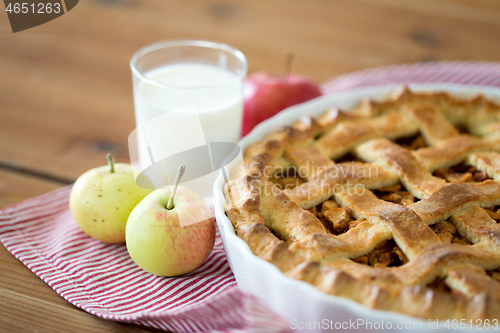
point(307, 308)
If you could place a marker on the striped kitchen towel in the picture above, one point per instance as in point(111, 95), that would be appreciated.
point(458, 72)
point(102, 279)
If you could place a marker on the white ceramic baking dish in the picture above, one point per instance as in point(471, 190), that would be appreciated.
point(299, 302)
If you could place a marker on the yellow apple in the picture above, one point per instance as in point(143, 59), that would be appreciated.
point(170, 242)
point(102, 199)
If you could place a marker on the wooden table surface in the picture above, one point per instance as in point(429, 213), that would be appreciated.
point(66, 93)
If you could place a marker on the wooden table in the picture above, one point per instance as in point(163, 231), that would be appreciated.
point(66, 95)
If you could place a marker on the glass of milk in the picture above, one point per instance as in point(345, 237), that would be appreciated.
point(174, 74)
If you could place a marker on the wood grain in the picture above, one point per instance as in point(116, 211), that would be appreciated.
point(66, 89)
point(29, 305)
point(66, 95)
point(16, 187)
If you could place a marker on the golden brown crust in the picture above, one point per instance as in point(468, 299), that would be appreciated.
point(455, 197)
point(355, 242)
point(471, 281)
point(285, 217)
point(407, 228)
point(412, 173)
point(454, 150)
point(308, 160)
point(243, 197)
point(306, 251)
point(475, 224)
point(348, 134)
point(433, 125)
point(435, 260)
point(325, 183)
point(486, 162)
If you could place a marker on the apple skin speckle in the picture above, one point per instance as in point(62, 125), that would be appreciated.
point(158, 242)
point(94, 195)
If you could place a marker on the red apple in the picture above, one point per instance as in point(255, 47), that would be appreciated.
point(267, 94)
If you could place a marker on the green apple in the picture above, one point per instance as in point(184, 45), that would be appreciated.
point(102, 198)
point(170, 239)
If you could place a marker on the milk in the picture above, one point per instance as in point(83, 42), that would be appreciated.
point(217, 95)
point(215, 92)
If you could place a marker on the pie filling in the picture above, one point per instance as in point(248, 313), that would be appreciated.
point(494, 213)
point(461, 173)
point(348, 158)
point(494, 274)
point(448, 233)
point(286, 179)
point(385, 254)
point(440, 285)
point(413, 142)
point(396, 194)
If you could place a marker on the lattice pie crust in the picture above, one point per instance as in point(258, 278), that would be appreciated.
point(287, 227)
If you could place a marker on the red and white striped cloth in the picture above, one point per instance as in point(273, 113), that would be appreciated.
point(102, 279)
point(458, 72)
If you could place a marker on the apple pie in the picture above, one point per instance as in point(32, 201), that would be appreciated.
point(394, 204)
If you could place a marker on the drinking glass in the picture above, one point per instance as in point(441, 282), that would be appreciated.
point(187, 93)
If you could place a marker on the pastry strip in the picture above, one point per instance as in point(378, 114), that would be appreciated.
point(338, 177)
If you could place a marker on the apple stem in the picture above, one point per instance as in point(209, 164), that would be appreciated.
point(180, 172)
point(111, 162)
point(287, 66)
